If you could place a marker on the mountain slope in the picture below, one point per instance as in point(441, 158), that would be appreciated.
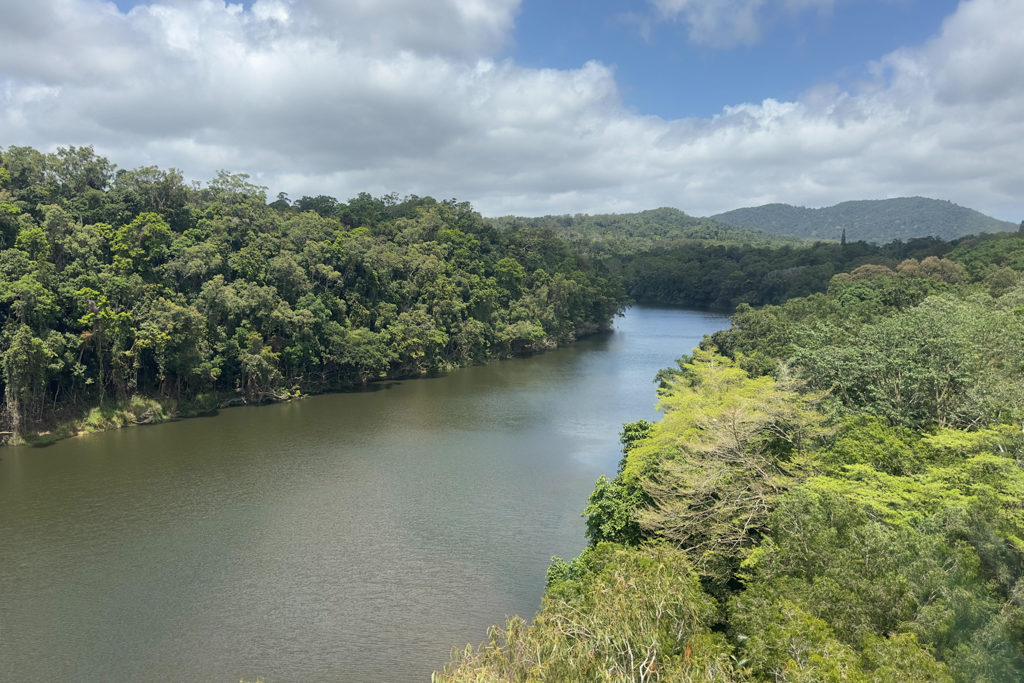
point(877, 221)
point(623, 233)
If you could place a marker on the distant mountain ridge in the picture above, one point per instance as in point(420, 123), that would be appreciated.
point(871, 220)
point(623, 233)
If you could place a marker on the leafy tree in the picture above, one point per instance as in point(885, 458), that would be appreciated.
point(727, 446)
point(944, 362)
point(619, 615)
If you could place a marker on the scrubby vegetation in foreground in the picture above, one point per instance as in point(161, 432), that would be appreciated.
point(833, 494)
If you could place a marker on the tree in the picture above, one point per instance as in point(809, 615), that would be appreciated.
point(947, 362)
point(24, 364)
point(612, 507)
point(615, 615)
point(727, 447)
point(141, 245)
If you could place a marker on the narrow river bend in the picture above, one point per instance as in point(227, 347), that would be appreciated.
point(347, 537)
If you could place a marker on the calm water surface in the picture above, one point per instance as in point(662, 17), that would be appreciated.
point(349, 537)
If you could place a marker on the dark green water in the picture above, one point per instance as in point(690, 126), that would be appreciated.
point(350, 537)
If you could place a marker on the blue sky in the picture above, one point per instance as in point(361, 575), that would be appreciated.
point(533, 107)
point(661, 71)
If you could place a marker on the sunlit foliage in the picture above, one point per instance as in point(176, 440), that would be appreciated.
point(117, 285)
point(845, 481)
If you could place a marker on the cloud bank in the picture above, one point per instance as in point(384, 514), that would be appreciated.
point(401, 95)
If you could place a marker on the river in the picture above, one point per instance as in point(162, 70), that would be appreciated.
point(345, 537)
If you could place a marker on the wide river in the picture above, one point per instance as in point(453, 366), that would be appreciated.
point(346, 537)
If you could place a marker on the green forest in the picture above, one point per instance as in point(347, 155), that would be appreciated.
point(834, 491)
point(666, 257)
point(832, 494)
point(134, 297)
point(870, 220)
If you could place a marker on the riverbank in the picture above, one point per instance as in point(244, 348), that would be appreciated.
point(148, 410)
point(136, 411)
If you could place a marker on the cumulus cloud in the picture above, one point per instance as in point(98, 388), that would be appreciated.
point(456, 28)
point(335, 98)
point(726, 23)
point(716, 22)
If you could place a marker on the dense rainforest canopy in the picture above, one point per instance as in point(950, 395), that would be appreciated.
point(620, 234)
point(833, 494)
point(666, 257)
point(130, 295)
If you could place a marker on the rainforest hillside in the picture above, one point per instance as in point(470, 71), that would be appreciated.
point(716, 276)
point(833, 494)
point(131, 295)
point(666, 257)
point(878, 221)
point(627, 233)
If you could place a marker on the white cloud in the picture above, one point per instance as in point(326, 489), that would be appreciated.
point(719, 23)
point(454, 28)
point(726, 23)
point(333, 98)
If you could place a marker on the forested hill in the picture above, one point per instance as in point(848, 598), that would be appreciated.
point(628, 233)
point(131, 296)
point(879, 221)
point(665, 256)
